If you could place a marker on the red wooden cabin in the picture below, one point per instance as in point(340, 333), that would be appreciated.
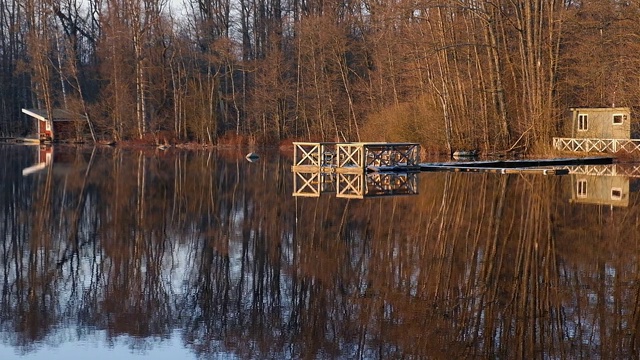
point(63, 126)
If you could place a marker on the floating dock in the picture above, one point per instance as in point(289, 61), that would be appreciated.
point(522, 163)
point(520, 166)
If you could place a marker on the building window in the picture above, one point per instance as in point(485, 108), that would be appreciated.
point(583, 122)
point(581, 188)
point(619, 119)
point(616, 194)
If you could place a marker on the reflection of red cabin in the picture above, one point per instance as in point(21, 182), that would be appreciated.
point(43, 159)
point(64, 125)
point(65, 160)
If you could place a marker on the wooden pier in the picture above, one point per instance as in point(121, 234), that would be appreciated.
point(313, 157)
point(354, 157)
point(357, 170)
point(346, 169)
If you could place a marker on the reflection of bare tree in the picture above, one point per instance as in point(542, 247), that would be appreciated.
point(29, 307)
point(141, 243)
point(475, 273)
point(135, 295)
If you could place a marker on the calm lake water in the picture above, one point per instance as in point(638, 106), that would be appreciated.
point(110, 253)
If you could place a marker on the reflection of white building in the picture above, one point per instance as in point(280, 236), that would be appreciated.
point(600, 185)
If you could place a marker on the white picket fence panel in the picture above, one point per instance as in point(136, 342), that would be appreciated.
point(596, 145)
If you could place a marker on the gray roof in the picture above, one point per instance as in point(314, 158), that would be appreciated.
point(58, 114)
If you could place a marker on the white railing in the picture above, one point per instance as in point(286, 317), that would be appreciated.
point(347, 156)
point(350, 155)
point(392, 154)
point(596, 145)
point(313, 154)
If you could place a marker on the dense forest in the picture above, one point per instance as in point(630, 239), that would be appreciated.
point(493, 75)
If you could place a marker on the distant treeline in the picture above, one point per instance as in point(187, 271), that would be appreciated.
point(492, 75)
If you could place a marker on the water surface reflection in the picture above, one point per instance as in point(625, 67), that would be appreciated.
point(208, 253)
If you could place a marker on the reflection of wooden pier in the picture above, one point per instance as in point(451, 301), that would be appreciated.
point(354, 185)
point(345, 169)
point(354, 157)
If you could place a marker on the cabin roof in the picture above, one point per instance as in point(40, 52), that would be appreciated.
point(607, 109)
point(58, 115)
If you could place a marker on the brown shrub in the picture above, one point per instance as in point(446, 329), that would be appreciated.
point(420, 121)
point(231, 139)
